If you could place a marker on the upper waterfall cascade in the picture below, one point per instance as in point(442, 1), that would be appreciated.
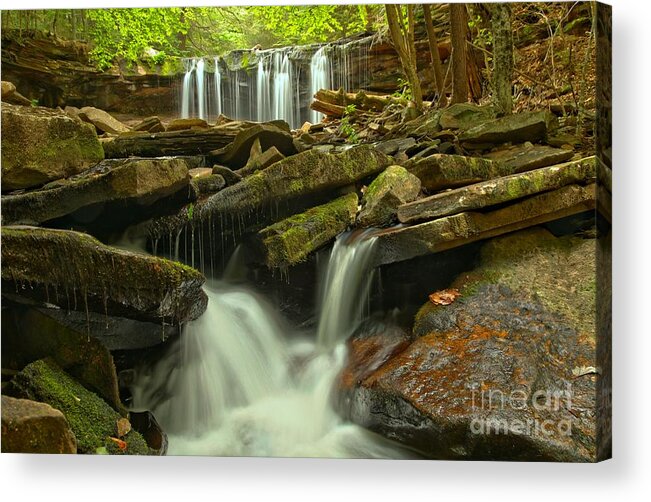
point(279, 86)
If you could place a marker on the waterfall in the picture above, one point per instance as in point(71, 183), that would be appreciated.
point(279, 86)
point(345, 290)
point(218, 88)
point(282, 97)
point(187, 97)
point(319, 78)
point(201, 94)
point(263, 98)
point(241, 382)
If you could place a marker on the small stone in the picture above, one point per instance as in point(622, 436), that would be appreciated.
point(32, 427)
point(123, 427)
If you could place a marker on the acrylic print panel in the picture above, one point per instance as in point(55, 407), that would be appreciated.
point(357, 231)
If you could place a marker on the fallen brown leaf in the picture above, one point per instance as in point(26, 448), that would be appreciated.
point(121, 444)
point(444, 297)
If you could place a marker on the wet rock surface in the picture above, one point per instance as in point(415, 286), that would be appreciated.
point(290, 241)
point(76, 272)
point(507, 371)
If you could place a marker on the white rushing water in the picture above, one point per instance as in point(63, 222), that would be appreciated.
point(247, 385)
point(279, 86)
point(319, 78)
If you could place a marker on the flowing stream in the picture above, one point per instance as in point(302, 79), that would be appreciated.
point(244, 383)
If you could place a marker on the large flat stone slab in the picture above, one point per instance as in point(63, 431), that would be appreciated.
point(74, 271)
point(172, 143)
point(498, 191)
point(517, 128)
point(132, 181)
point(297, 176)
point(522, 158)
point(463, 228)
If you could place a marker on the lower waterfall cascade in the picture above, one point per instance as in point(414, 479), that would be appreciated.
point(278, 87)
point(242, 382)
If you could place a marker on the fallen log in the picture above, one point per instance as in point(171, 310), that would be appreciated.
point(498, 191)
point(453, 231)
point(173, 143)
point(334, 103)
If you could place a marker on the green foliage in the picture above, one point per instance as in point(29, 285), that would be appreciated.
point(404, 90)
point(313, 23)
point(129, 34)
point(346, 128)
point(483, 36)
point(190, 211)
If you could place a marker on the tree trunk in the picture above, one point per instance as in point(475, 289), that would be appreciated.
point(458, 28)
point(402, 36)
point(436, 58)
point(502, 58)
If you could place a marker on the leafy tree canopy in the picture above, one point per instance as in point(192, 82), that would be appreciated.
point(189, 31)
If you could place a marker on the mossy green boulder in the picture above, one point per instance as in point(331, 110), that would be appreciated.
point(40, 145)
point(291, 240)
point(392, 188)
point(91, 419)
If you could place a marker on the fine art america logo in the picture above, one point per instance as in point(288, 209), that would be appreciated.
point(554, 405)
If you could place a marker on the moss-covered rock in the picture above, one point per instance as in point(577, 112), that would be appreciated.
point(76, 272)
point(441, 171)
point(498, 191)
point(458, 229)
point(30, 334)
point(296, 176)
point(508, 370)
point(290, 241)
point(31, 427)
point(91, 419)
point(41, 145)
point(140, 182)
point(393, 187)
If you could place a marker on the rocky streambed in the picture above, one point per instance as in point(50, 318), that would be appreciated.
point(487, 242)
